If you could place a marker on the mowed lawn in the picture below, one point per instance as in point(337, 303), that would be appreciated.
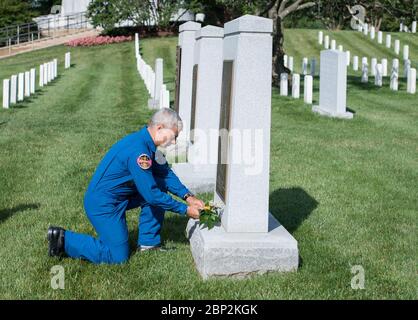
point(346, 190)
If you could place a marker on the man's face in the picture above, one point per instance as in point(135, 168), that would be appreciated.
point(165, 137)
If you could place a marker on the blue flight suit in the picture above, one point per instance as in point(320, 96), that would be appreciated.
point(122, 182)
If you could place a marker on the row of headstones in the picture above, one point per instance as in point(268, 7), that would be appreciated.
point(404, 28)
point(307, 87)
point(377, 70)
point(160, 96)
point(333, 44)
point(23, 85)
point(288, 63)
point(333, 83)
point(380, 70)
point(397, 44)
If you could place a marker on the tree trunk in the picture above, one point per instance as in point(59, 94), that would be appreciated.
point(278, 53)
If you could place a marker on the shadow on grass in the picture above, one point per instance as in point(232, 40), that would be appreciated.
point(7, 213)
point(291, 206)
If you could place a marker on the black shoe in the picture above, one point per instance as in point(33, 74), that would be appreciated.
point(56, 242)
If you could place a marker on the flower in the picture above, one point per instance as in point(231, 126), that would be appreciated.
point(209, 216)
point(97, 41)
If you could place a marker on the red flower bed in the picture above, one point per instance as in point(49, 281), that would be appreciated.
point(97, 41)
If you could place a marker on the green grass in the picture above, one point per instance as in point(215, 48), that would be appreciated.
point(346, 190)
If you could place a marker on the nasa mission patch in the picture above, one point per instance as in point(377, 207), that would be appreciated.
point(144, 161)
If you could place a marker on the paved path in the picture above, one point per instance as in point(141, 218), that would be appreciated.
point(40, 44)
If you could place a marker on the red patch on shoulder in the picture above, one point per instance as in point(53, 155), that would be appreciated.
point(144, 161)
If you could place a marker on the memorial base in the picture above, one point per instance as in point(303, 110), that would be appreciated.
point(345, 115)
point(218, 253)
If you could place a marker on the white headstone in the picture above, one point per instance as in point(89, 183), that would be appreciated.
point(187, 39)
point(379, 37)
point(308, 89)
point(136, 45)
point(407, 66)
point(154, 102)
point(21, 86)
point(296, 86)
point(290, 64)
point(285, 60)
point(405, 52)
point(55, 63)
point(388, 41)
point(199, 172)
point(41, 75)
point(394, 84)
point(333, 44)
point(333, 85)
point(348, 53)
point(414, 27)
point(250, 240)
point(283, 84)
point(366, 29)
point(27, 84)
point(305, 66)
point(378, 80)
point(372, 32)
point(412, 81)
point(152, 83)
point(320, 37)
point(13, 89)
point(385, 67)
point(45, 73)
point(397, 46)
point(49, 69)
point(67, 60)
point(326, 42)
point(401, 27)
point(373, 66)
point(313, 67)
point(340, 48)
point(364, 61)
point(52, 69)
point(365, 72)
point(32, 80)
point(355, 63)
point(6, 93)
point(165, 97)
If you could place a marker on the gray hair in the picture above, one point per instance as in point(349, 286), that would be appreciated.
point(168, 118)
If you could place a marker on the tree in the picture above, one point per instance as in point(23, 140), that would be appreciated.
point(278, 10)
point(104, 13)
point(14, 12)
point(108, 13)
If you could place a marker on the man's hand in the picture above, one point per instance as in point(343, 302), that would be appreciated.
point(195, 202)
point(193, 212)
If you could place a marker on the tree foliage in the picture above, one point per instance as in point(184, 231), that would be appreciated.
point(15, 12)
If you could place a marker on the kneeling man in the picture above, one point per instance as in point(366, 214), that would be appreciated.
point(132, 174)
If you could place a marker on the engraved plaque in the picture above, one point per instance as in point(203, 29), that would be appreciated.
point(193, 111)
point(224, 127)
point(178, 72)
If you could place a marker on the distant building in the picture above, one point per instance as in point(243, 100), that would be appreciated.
point(71, 15)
